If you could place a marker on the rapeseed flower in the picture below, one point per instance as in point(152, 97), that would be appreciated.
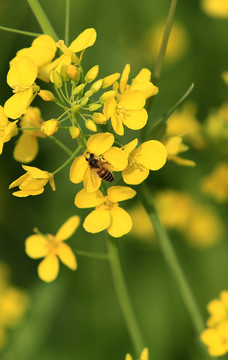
point(100, 146)
point(127, 106)
point(215, 8)
point(53, 249)
point(175, 146)
point(21, 77)
point(107, 214)
point(150, 155)
point(216, 183)
point(32, 182)
point(26, 147)
point(8, 129)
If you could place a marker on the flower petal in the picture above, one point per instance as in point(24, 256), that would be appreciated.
point(99, 143)
point(36, 246)
point(67, 256)
point(83, 199)
point(120, 193)
point(91, 180)
point(17, 104)
point(25, 193)
point(117, 158)
point(121, 222)
point(97, 221)
point(117, 124)
point(23, 72)
point(124, 78)
point(133, 175)
point(84, 40)
point(109, 107)
point(78, 168)
point(26, 148)
point(130, 146)
point(36, 173)
point(151, 154)
point(132, 100)
point(136, 119)
point(68, 228)
point(48, 269)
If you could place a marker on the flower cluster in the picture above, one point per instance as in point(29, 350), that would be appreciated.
point(216, 335)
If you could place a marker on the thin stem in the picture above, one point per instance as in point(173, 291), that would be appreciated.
point(171, 259)
point(67, 22)
point(42, 19)
point(60, 144)
point(22, 32)
point(123, 296)
point(162, 51)
point(67, 161)
point(92, 255)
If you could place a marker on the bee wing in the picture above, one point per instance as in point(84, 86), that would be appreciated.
point(92, 181)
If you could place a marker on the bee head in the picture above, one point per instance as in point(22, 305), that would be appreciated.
point(89, 156)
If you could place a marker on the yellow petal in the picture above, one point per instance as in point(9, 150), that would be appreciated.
point(124, 78)
point(23, 73)
point(83, 199)
point(181, 161)
point(19, 181)
point(91, 180)
point(99, 143)
point(25, 193)
point(144, 354)
point(78, 168)
point(45, 49)
point(97, 221)
point(109, 80)
point(117, 158)
point(68, 228)
point(132, 100)
point(48, 269)
point(35, 172)
point(17, 104)
point(67, 256)
point(151, 154)
point(26, 148)
point(84, 40)
point(3, 118)
point(110, 107)
point(133, 175)
point(36, 246)
point(136, 119)
point(121, 222)
point(117, 124)
point(130, 146)
point(120, 193)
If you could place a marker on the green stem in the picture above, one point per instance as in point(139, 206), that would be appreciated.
point(67, 22)
point(60, 144)
point(42, 19)
point(28, 33)
point(67, 161)
point(92, 255)
point(171, 259)
point(123, 296)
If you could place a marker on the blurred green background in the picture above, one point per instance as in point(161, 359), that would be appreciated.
point(78, 315)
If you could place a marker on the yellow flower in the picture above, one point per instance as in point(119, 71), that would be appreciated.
point(150, 155)
point(53, 249)
point(107, 215)
point(127, 107)
point(42, 51)
point(216, 339)
point(216, 183)
point(20, 78)
point(26, 147)
point(144, 355)
point(112, 158)
point(174, 146)
point(218, 309)
point(32, 182)
point(8, 129)
point(215, 8)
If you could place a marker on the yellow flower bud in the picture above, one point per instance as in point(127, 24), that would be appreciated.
point(75, 108)
point(74, 132)
point(73, 72)
point(89, 93)
point(91, 125)
point(99, 118)
point(78, 89)
point(84, 101)
point(50, 127)
point(92, 74)
point(97, 85)
point(63, 72)
point(107, 95)
point(109, 80)
point(94, 107)
point(46, 95)
point(57, 79)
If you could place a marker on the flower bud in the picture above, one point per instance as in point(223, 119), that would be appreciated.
point(99, 118)
point(50, 127)
point(78, 89)
point(91, 125)
point(107, 95)
point(94, 107)
point(92, 74)
point(84, 101)
point(57, 79)
point(74, 132)
point(97, 85)
point(75, 108)
point(73, 72)
point(89, 93)
point(63, 72)
point(109, 80)
point(46, 95)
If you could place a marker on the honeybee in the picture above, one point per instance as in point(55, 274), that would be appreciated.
point(100, 166)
